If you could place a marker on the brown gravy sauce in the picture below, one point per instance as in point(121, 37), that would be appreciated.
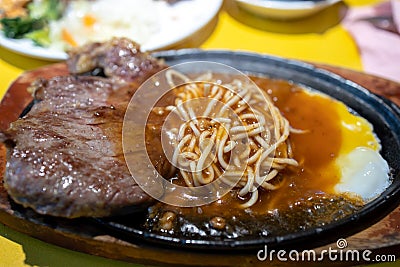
point(314, 150)
point(306, 197)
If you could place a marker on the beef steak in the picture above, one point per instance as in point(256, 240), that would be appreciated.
point(66, 157)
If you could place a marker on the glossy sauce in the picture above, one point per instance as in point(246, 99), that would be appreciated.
point(306, 197)
point(315, 149)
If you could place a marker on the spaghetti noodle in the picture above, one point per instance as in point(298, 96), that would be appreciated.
point(204, 142)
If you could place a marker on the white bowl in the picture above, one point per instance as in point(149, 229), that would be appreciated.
point(284, 10)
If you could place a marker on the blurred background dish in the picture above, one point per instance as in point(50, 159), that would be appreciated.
point(285, 9)
point(28, 48)
point(156, 24)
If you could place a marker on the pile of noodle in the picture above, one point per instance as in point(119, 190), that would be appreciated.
point(266, 131)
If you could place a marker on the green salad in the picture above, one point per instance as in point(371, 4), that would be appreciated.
point(35, 26)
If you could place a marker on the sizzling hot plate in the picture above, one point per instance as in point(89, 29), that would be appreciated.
point(383, 114)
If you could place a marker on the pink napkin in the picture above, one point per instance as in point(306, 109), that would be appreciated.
point(379, 49)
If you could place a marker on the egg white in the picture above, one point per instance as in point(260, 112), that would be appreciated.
point(364, 172)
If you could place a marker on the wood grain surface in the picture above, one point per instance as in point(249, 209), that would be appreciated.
point(79, 235)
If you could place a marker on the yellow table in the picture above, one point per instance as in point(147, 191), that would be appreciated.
point(319, 38)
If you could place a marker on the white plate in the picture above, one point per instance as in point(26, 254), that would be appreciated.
point(184, 19)
point(284, 10)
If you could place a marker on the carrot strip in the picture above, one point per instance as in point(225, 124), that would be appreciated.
point(67, 37)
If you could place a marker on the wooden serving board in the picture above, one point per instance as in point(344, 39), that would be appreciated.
point(79, 234)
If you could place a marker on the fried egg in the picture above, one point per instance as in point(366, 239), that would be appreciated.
point(337, 150)
point(364, 171)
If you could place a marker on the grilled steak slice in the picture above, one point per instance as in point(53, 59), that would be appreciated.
point(67, 159)
point(119, 58)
